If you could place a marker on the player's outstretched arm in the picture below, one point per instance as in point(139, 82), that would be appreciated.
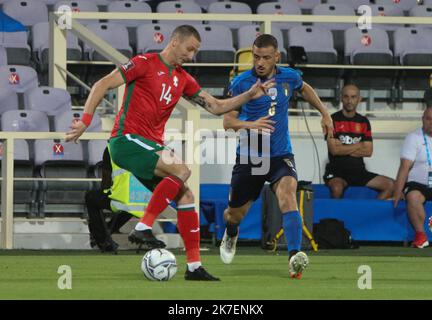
point(221, 106)
point(311, 96)
point(98, 91)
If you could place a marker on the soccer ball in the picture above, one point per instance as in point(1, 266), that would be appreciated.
point(159, 265)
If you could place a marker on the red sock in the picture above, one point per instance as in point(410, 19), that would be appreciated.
point(163, 194)
point(188, 226)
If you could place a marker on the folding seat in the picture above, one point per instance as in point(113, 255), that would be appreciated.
point(25, 120)
point(79, 6)
point(413, 47)
point(248, 34)
point(50, 100)
point(286, 8)
point(216, 47)
point(387, 11)
point(318, 45)
point(3, 56)
point(305, 5)
point(178, 7)
point(18, 78)
point(204, 4)
point(231, 8)
point(57, 159)
point(113, 33)
point(405, 5)
point(421, 11)
point(41, 43)
point(62, 122)
point(337, 29)
point(8, 99)
point(129, 6)
point(24, 200)
point(28, 12)
point(369, 47)
point(17, 50)
point(153, 37)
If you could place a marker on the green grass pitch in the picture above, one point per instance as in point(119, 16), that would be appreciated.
point(397, 273)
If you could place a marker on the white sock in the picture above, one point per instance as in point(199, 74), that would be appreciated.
point(192, 266)
point(142, 226)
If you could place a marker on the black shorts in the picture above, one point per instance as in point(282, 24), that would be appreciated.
point(246, 187)
point(424, 190)
point(354, 177)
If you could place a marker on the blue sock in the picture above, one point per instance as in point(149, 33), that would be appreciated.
point(292, 225)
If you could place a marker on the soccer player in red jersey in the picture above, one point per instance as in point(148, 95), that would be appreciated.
point(154, 85)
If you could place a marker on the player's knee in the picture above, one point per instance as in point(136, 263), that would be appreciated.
point(414, 198)
point(336, 190)
point(287, 201)
point(184, 173)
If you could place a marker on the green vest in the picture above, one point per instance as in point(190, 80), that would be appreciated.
point(127, 193)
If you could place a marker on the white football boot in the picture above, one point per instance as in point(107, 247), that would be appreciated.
point(228, 248)
point(297, 264)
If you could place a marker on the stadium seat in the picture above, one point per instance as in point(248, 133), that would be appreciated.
point(204, 4)
point(178, 7)
point(285, 8)
point(8, 100)
point(24, 200)
point(369, 47)
point(247, 35)
point(3, 56)
point(318, 45)
point(56, 159)
point(337, 29)
point(18, 78)
point(388, 11)
point(113, 33)
point(28, 12)
point(153, 37)
point(405, 5)
point(216, 47)
point(17, 49)
point(230, 8)
point(52, 101)
point(79, 6)
point(62, 122)
point(24, 120)
point(303, 4)
point(41, 43)
point(421, 11)
point(413, 47)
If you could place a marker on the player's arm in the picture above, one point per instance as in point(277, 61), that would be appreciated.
point(311, 96)
point(98, 91)
point(402, 175)
point(337, 148)
point(231, 121)
point(221, 106)
point(365, 149)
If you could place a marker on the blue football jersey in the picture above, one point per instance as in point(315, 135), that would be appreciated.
point(274, 104)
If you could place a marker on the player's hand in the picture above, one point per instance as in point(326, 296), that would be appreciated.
point(264, 124)
point(77, 129)
point(397, 196)
point(260, 89)
point(327, 126)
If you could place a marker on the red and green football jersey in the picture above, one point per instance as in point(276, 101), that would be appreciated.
point(153, 89)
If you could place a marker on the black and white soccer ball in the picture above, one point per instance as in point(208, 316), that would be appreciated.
point(159, 265)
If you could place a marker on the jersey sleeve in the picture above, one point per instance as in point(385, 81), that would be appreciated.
point(192, 87)
point(368, 132)
point(134, 68)
point(409, 148)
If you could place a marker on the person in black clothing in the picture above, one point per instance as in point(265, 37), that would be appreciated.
point(352, 140)
point(97, 201)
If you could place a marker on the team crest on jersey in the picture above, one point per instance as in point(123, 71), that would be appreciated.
point(175, 80)
point(357, 127)
point(129, 65)
point(272, 92)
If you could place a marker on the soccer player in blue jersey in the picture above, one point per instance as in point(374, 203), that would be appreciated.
point(267, 118)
